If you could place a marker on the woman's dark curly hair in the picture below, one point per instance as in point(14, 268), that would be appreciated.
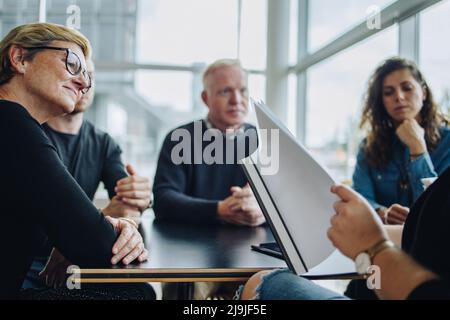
point(381, 130)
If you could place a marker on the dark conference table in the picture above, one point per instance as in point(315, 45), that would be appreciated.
point(187, 253)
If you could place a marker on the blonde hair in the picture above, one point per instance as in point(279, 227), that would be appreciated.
point(220, 64)
point(34, 35)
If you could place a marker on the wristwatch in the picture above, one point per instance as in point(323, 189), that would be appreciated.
point(364, 260)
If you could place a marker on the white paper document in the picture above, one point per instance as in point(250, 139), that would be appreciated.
point(296, 197)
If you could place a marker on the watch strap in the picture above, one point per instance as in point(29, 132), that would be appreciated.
point(378, 247)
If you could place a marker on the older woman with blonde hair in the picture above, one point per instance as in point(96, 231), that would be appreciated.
point(43, 75)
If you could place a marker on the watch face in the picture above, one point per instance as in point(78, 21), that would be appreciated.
point(362, 262)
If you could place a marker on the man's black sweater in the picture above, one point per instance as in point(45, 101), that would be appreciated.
point(190, 191)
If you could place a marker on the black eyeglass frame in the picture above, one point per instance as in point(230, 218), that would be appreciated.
point(68, 51)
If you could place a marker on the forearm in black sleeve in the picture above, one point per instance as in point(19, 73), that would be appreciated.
point(431, 290)
point(174, 205)
point(72, 223)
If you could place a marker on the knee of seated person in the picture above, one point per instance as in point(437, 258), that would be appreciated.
point(249, 292)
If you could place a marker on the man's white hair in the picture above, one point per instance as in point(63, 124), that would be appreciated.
point(220, 64)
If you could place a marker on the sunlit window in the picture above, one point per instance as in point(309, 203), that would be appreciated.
point(166, 89)
point(253, 35)
point(14, 12)
point(435, 51)
point(334, 100)
point(184, 32)
point(330, 18)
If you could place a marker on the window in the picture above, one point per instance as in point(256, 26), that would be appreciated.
point(435, 51)
point(334, 99)
point(14, 13)
point(253, 38)
point(185, 32)
point(166, 89)
point(330, 18)
point(257, 86)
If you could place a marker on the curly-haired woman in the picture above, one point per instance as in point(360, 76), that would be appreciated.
point(408, 140)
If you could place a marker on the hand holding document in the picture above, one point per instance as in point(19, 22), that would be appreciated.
point(295, 198)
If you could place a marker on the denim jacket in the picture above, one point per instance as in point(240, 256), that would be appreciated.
point(400, 181)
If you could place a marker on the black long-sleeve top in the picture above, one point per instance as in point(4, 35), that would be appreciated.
point(91, 157)
point(426, 237)
point(40, 199)
point(191, 191)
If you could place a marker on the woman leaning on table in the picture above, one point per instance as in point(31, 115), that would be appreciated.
point(42, 75)
point(408, 139)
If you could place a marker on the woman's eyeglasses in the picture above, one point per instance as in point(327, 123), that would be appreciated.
point(73, 64)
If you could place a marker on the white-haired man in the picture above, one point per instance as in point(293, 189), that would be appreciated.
point(211, 191)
